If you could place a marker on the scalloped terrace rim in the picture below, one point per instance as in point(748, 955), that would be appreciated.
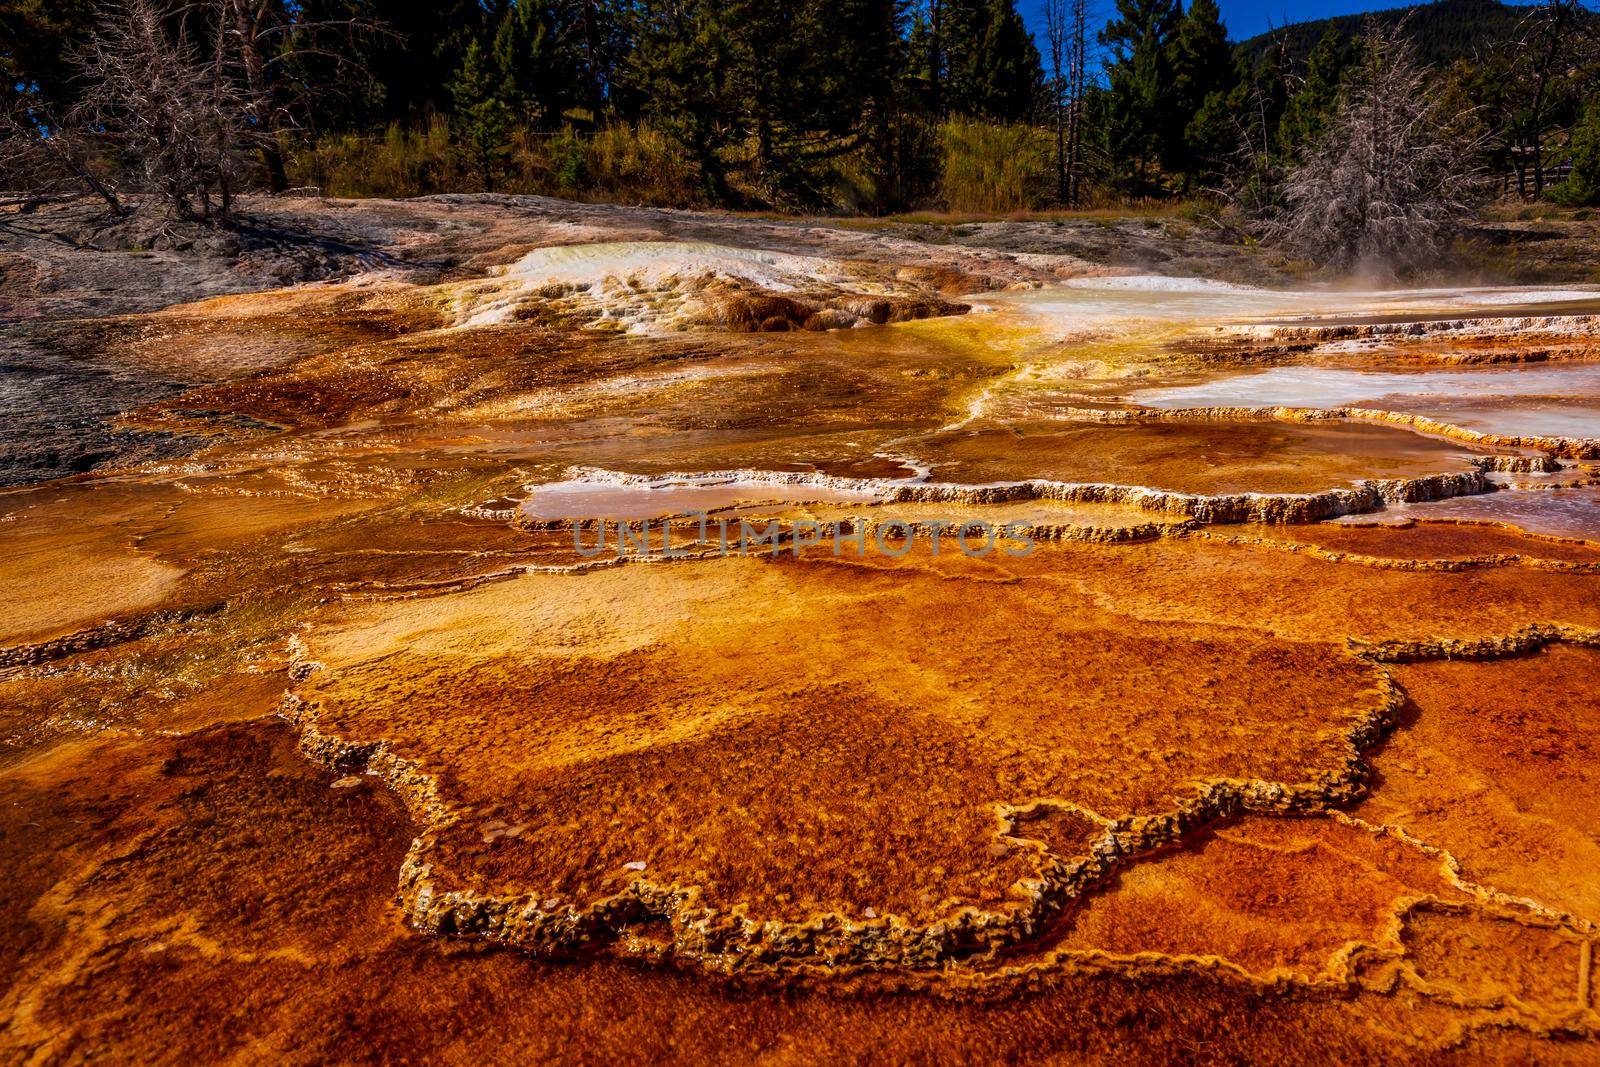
point(838, 944)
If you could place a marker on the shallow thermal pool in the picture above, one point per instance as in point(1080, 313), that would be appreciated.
point(1083, 302)
point(582, 498)
point(1122, 328)
point(1558, 512)
point(1543, 399)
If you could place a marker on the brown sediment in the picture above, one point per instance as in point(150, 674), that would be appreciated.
point(693, 909)
point(1442, 542)
point(1301, 898)
point(1380, 906)
point(111, 933)
point(1524, 822)
point(1536, 974)
point(66, 577)
point(754, 312)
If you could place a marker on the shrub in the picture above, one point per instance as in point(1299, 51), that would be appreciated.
point(400, 162)
point(567, 164)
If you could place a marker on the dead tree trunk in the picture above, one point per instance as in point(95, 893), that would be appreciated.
point(1055, 32)
point(250, 18)
point(1078, 50)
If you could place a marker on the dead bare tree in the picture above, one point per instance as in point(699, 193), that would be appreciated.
point(177, 98)
point(249, 26)
point(1078, 52)
point(169, 104)
point(1066, 40)
point(1390, 182)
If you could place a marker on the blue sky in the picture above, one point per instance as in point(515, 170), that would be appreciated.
point(1246, 18)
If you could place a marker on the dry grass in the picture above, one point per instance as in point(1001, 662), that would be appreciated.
point(621, 164)
point(985, 172)
point(1107, 210)
point(639, 166)
point(993, 169)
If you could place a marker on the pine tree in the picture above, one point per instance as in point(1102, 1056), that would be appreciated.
point(1010, 66)
point(681, 72)
point(537, 79)
point(1306, 115)
point(1235, 133)
point(920, 62)
point(962, 26)
point(1140, 74)
point(481, 120)
point(901, 140)
point(992, 67)
point(422, 46)
point(1200, 66)
point(1582, 187)
point(1213, 134)
point(37, 38)
point(798, 84)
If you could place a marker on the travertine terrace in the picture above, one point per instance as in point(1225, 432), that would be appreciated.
point(328, 735)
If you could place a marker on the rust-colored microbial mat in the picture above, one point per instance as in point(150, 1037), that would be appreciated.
point(331, 730)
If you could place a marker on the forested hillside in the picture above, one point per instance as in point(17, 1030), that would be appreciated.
point(1444, 31)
